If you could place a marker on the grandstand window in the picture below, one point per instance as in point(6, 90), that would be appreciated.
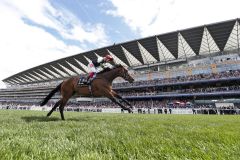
point(164, 53)
point(131, 59)
point(208, 45)
point(184, 50)
point(147, 57)
point(233, 40)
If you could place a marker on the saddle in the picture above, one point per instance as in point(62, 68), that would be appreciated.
point(83, 81)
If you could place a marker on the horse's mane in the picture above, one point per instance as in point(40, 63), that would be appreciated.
point(109, 69)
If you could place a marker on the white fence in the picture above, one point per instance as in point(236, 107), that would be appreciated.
point(136, 110)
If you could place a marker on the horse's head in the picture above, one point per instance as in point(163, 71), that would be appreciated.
point(124, 74)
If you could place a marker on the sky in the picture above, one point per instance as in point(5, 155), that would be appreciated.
point(34, 32)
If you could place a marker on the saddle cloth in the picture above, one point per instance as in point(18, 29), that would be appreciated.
point(83, 81)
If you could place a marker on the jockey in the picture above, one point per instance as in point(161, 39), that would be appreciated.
point(100, 64)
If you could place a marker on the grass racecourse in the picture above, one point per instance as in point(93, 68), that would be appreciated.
point(30, 135)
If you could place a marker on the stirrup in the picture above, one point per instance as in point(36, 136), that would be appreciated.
point(89, 81)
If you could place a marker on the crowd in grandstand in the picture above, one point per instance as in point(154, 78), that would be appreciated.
point(154, 91)
point(226, 74)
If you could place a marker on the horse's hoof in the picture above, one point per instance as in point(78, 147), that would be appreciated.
point(130, 110)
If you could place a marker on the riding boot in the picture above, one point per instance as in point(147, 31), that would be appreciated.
point(89, 80)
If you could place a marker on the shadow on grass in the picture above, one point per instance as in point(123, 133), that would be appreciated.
point(49, 119)
point(80, 119)
point(40, 119)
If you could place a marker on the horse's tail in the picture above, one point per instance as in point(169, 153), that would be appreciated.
point(50, 94)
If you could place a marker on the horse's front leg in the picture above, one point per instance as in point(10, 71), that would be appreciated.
point(113, 99)
point(120, 97)
point(110, 95)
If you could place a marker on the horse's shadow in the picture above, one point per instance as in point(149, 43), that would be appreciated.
point(50, 119)
point(39, 119)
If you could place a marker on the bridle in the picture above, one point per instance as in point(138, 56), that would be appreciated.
point(125, 74)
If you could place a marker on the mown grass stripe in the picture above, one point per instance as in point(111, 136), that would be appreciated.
point(30, 135)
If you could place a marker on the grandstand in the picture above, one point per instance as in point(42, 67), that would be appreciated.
point(196, 68)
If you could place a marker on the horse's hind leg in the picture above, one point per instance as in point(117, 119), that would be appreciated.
point(61, 108)
point(54, 107)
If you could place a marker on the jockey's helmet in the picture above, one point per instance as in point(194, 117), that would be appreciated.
point(108, 58)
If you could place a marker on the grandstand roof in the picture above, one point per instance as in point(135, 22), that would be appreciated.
point(181, 44)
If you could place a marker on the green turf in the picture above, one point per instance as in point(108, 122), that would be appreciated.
point(30, 135)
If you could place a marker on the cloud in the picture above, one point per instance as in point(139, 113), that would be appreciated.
point(136, 14)
point(78, 31)
point(24, 45)
point(60, 19)
point(151, 17)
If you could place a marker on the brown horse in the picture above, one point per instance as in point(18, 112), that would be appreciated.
point(101, 86)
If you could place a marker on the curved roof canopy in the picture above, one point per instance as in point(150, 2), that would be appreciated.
point(201, 40)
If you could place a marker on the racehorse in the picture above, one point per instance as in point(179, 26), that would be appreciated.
point(101, 86)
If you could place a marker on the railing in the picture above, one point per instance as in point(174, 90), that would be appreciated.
point(208, 111)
